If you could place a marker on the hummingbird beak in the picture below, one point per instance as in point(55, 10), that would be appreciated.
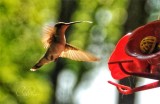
point(63, 25)
point(70, 23)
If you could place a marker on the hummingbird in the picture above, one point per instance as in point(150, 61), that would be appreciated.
point(55, 42)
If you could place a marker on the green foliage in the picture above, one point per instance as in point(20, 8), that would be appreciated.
point(20, 47)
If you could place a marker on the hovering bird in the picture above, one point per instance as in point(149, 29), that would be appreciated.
point(55, 42)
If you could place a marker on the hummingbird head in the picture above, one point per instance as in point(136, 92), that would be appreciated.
point(61, 27)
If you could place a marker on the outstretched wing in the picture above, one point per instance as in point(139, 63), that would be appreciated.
point(48, 35)
point(77, 55)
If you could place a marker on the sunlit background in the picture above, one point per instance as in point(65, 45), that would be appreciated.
point(67, 81)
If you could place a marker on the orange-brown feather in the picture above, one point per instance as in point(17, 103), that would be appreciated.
point(48, 35)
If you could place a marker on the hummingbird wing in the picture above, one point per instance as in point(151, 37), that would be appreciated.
point(48, 35)
point(75, 54)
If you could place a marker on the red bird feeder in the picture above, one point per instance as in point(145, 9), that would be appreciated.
point(137, 54)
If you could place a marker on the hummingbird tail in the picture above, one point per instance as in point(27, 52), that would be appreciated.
point(39, 64)
point(35, 67)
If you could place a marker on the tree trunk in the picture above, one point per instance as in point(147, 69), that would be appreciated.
point(67, 9)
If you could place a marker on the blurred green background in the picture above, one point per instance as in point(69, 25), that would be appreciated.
point(21, 23)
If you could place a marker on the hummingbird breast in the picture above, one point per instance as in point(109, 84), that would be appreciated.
point(54, 51)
